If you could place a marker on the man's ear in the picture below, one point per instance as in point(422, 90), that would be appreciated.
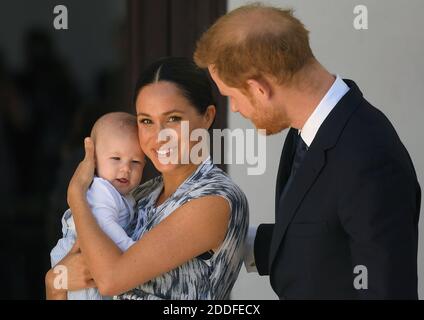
point(212, 69)
point(260, 88)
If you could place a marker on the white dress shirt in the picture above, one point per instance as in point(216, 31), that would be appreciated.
point(308, 133)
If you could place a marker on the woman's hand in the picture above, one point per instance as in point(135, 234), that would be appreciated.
point(83, 175)
point(71, 273)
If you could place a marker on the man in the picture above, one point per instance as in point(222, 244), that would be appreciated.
point(347, 196)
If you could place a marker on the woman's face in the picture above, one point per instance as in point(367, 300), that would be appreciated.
point(162, 106)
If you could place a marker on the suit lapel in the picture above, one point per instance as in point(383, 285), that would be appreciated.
point(286, 160)
point(305, 177)
point(312, 165)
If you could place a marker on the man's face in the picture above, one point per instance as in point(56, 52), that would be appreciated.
point(263, 117)
point(239, 102)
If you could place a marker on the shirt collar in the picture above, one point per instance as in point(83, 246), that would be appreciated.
point(328, 102)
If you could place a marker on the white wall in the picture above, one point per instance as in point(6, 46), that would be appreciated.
point(386, 61)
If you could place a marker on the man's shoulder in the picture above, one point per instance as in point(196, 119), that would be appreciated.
point(368, 127)
point(369, 138)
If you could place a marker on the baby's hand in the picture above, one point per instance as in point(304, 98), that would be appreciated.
point(84, 173)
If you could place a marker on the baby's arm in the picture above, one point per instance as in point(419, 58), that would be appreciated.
point(64, 245)
point(108, 206)
point(108, 220)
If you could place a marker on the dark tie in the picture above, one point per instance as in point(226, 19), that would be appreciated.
point(301, 149)
point(300, 153)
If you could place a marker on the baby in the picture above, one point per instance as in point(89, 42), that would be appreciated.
point(119, 167)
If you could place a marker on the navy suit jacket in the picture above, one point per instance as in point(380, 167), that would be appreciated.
point(354, 201)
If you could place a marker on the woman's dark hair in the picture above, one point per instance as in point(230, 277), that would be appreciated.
point(190, 79)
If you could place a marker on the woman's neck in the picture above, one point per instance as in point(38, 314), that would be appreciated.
point(172, 180)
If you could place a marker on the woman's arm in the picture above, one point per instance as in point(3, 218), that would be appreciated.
point(51, 292)
point(71, 273)
point(196, 227)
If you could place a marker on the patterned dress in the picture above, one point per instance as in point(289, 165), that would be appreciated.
point(199, 278)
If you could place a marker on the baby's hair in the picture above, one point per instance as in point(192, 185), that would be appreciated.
point(119, 122)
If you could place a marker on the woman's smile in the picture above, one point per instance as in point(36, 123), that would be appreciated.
point(164, 152)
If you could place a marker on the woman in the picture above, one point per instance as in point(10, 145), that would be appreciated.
point(192, 220)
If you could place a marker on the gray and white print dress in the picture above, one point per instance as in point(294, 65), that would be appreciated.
point(198, 278)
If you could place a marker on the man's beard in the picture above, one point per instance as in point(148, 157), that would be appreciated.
point(270, 123)
point(271, 130)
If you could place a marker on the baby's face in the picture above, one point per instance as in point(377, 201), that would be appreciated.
point(120, 160)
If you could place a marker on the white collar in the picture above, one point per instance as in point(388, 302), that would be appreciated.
point(328, 102)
